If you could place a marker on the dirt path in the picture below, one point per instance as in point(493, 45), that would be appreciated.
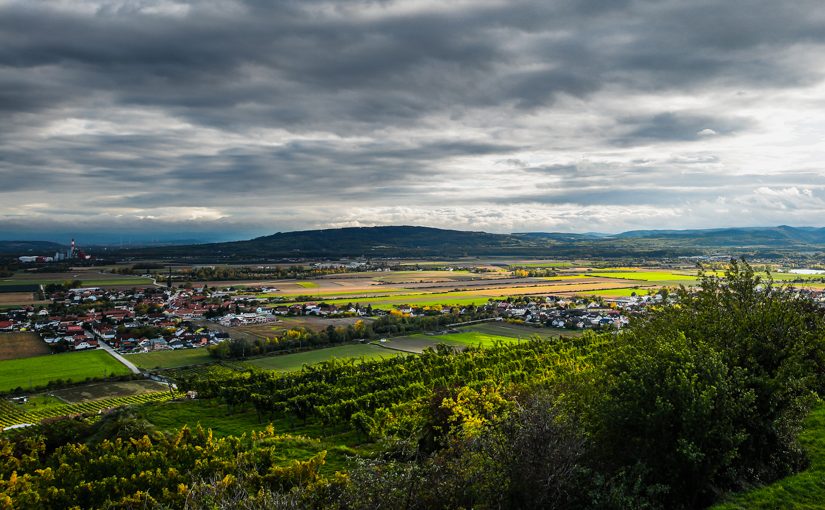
point(128, 364)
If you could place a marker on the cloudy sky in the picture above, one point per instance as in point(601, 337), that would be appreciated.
point(158, 119)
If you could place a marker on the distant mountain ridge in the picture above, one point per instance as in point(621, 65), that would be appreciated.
point(730, 236)
point(738, 236)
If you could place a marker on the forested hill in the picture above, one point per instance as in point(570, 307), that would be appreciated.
point(395, 241)
point(386, 240)
point(410, 241)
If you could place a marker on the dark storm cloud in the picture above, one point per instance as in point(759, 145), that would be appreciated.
point(655, 186)
point(669, 126)
point(296, 63)
point(292, 171)
point(559, 170)
point(297, 170)
point(155, 103)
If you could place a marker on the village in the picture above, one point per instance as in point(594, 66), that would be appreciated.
point(154, 319)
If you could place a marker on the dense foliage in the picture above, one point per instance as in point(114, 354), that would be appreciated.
point(144, 471)
point(708, 395)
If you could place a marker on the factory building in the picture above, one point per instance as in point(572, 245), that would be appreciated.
point(74, 253)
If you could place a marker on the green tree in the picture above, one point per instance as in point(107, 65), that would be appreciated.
point(667, 413)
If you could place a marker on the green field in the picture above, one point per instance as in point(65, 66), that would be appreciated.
point(419, 342)
point(802, 491)
point(170, 359)
point(30, 373)
point(308, 285)
point(478, 335)
point(623, 292)
point(290, 362)
point(91, 282)
point(645, 276)
point(421, 299)
point(473, 339)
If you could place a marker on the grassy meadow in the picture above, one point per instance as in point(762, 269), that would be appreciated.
point(645, 276)
point(295, 361)
point(478, 335)
point(419, 342)
point(170, 358)
point(28, 373)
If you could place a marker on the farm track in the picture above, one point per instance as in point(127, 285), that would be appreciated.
point(126, 363)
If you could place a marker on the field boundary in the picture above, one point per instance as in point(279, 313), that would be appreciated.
point(126, 363)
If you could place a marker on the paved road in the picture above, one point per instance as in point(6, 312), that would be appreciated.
point(128, 364)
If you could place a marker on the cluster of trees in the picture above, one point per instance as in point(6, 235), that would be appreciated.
point(533, 272)
point(145, 331)
point(51, 288)
point(78, 308)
